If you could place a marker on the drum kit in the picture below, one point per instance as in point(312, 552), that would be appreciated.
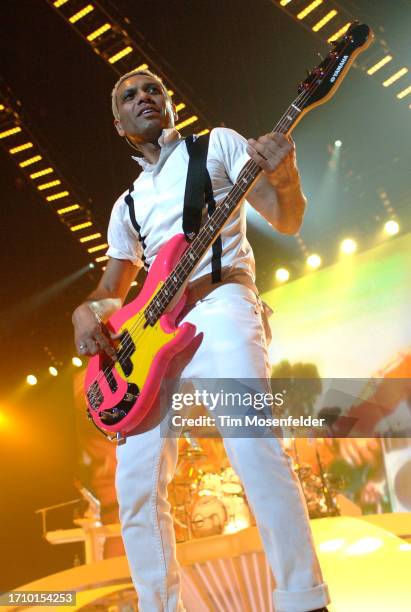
point(207, 500)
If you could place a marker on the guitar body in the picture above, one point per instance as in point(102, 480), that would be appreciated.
point(127, 389)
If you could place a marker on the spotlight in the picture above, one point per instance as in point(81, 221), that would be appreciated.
point(391, 227)
point(31, 380)
point(53, 371)
point(282, 275)
point(314, 261)
point(76, 361)
point(348, 246)
point(91, 266)
point(338, 143)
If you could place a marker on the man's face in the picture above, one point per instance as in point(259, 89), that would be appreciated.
point(143, 109)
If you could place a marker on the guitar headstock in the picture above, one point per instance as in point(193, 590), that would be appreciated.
point(324, 80)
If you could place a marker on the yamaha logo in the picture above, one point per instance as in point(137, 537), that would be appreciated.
point(339, 68)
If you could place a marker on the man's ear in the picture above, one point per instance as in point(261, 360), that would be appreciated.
point(119, 127)
point(175, 115)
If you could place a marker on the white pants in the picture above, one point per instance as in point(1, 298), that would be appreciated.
point(233, 346)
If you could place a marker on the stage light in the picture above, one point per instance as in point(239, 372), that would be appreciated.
point(397, 75)
point(404, 92)
point(10, 132)
point(99, 32)
point(309, 9)
point(282, 275)
point(53, 371)
point(82, 13)
point(57, 196)
point(348, 246)
point(48, 185)
point(30, 161)
point(76, 361)
point(338, 143)
point(90, 237)
point(31, 380)
point(118, 56)
point(22, 147)
point(284, 2)
point(203, 132)
point(379, 64)
point(59, 3)
point(332, 545)
point(99, 247)
point(188, 121)
point(102, 258)
point(180, 107)
point(364, 546)
point(2, 107)
point(67, 209)
point(339, 33)
point(391, 227)
point(140, 67)
point(91, 266)
point(314, 261)
point(80, 226)
point(320, 24)
point(41, 173)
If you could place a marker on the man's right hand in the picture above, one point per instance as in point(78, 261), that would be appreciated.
point(91, 336)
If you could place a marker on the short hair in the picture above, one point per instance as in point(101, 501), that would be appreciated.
point(134, 73)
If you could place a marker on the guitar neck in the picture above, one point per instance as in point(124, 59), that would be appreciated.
point(215, 224)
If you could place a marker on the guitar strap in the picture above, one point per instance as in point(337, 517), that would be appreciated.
point(198, 191)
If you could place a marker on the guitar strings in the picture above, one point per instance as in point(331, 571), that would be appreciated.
point(233, 193)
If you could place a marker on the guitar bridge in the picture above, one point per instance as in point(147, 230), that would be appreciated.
point(112, 416)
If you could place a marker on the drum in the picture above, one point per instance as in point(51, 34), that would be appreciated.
point(208, 516)
point(238, 513)
point(231, 484)
point(209, 484)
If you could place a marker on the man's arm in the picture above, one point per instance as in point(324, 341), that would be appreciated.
point(277, 193)
point(90, 335)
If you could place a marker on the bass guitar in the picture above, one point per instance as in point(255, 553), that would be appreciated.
point(120, 394)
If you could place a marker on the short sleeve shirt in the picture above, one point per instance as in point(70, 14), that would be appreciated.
point(158, 198)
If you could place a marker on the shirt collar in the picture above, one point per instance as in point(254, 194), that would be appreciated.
point(168, 136)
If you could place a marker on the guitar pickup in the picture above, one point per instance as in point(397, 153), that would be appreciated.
point(127, 348)
point(109, 376)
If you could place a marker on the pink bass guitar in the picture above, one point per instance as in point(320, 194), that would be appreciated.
point(120, 394)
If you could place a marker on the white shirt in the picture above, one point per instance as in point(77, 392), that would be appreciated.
point(158, 196)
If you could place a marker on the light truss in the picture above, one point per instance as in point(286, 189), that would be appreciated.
point(110, 36)
point(34, 163)
point(328, 20)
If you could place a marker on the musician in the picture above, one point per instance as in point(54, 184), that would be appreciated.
point(228, 313)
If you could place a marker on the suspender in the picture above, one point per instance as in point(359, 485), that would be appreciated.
point(198, 191)
point(130, 203)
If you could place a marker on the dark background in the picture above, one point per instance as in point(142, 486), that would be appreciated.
point(239, 62)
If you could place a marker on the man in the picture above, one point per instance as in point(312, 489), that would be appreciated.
point(227, 314)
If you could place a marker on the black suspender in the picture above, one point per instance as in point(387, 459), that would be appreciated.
point(198, 191)
point(130, 203)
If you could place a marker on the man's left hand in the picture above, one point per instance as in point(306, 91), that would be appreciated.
point(275, 154)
